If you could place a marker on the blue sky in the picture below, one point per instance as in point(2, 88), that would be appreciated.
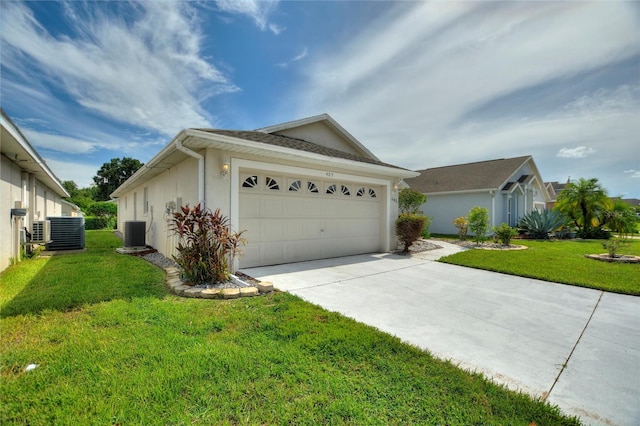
point(420, 84)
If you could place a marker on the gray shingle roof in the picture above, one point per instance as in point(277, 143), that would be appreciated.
point(294, 143)
point(490, 174)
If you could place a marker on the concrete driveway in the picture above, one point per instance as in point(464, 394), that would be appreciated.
point(576, 347)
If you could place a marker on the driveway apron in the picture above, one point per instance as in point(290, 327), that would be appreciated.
point(577, 348)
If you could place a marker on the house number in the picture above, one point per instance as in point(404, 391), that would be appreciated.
point(329, 174)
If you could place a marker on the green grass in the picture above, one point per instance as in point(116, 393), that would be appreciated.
point(122, 351)
point(560, 261)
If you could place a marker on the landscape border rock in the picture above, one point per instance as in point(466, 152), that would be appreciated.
point(622, 258)
point(179, 288)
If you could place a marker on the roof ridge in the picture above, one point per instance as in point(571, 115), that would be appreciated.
point(477, 162)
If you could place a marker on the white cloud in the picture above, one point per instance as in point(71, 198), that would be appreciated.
point(406, 84)
point(258, 10)
point(634, 174)
point(303, 54)
point(148, 73)
point(577, 152)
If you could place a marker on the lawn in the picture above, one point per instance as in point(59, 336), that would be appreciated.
point(560, 261)
point(112, 347)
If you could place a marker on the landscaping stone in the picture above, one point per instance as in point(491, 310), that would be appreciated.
point(193, 292)
point(265, 286)
point(248, 292)
point(179, 290)
point(230, 293)
point(210, 293)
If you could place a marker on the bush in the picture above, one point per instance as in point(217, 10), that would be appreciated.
point(478, 218)
point(426, 234)
point(100, 222)
point(540, 224)
point(206, 245)
point(505, 233)
point(102, 208)
point(409, 227)
point(463, 226)
point(410, 200)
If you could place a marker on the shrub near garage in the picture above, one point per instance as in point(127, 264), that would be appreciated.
point(409, 228)
point(505, 233)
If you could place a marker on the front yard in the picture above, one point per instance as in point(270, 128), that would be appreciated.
point(111, 346)
point(560, 261)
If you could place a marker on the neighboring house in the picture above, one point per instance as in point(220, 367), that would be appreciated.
point(302, 190)
point(554, 189)
point(29, 190)
point(508, 188)
point(70, 209)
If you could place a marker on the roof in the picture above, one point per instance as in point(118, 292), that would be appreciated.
point(17, 148)
point(295, 143)
point(483, 175)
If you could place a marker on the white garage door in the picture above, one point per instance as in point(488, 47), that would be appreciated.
point(291, 219)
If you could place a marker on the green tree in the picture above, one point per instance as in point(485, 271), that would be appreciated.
point(71, 187)
point(478, 219)
point(621, 218)
point(410, 200)
point(585, 201)
point(112, 174)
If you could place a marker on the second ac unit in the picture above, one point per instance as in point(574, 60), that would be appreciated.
point(41, 231)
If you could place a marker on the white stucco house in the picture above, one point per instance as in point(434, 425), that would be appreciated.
point(508, 188)
point(29, 190)
point(302, 190)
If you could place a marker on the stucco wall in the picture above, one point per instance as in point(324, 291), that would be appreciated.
point(444, 208)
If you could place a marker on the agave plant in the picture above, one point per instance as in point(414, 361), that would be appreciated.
point(541, 224)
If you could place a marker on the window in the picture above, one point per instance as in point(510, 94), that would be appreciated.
point(372, 193)
point(272, 184)
point(295, 186)
point(345, 190)
point(250, 182)
point(331, 189)
point(360, 192)
point(312, 187)
point(145, 201)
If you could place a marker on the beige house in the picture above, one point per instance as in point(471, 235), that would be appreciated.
point(29, 192)
point(302, 190)
point(508, 188)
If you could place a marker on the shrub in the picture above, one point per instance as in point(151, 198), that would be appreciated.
point(102, 208)
point(409, 228)
point(504, 233)
point(410, 200)
point(478, 218)
point(426, 234)
point(99, 222)
point(206, 245)
point(463, 226)
point(613, 245)
point(540, 224)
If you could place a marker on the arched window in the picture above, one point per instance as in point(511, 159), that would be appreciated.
point(295, 186)
point(312, 187)
point(345, 190)
point(331, 189)
point(250, 182)
point(372, 193)
point(360, 192)
point(272, 184)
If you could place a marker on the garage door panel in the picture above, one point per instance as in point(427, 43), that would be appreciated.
point(289, 226)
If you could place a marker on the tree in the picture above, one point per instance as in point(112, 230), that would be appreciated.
point(478, 218)
point(585, 201)
point(621, 218)
point(112, 174)
point(410, 200)
point(71, 187)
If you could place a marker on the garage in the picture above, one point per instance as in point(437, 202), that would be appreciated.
point(292, 218)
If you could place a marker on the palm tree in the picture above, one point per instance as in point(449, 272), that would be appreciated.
point(585, 201)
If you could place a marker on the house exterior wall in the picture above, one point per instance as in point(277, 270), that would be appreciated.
point(20, 188)
point(179, 185)
point(444, 208)
point(322, 135)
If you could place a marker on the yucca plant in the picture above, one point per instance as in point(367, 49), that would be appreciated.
point(540, 224)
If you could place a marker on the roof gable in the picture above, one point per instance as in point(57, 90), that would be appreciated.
point(483, 175)
point(322, 130)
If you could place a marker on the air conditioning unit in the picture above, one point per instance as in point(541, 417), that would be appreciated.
point(41, 231)
point(135, 233)
point(67, 233)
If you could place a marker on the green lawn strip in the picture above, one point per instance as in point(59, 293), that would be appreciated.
point(558, 261)
point(145, 357)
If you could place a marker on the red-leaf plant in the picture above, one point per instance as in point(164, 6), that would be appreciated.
point(207, 245)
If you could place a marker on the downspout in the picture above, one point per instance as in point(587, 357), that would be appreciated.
point(493, 208)
point(200, 158)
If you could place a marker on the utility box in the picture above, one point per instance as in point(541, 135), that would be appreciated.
point(135, 233)
point(66, 233)
point(18, 212)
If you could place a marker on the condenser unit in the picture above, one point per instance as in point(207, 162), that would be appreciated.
point(41, 231)
point(67, 233)
point(134, 233)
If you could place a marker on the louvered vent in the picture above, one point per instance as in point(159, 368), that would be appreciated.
point(67, 233)
point(41, 231)
point(134, 233)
